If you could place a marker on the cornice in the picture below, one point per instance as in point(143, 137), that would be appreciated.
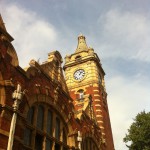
point(74, 63)
point(86, 83)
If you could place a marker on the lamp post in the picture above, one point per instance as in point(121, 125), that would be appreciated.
point(17, 96)
point(79, 139)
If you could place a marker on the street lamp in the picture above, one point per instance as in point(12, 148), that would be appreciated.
point(79, 139)
point(17, 97)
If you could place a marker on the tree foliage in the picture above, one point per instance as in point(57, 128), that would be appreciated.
point(139, 133)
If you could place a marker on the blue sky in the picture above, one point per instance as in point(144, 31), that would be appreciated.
point(119, 32)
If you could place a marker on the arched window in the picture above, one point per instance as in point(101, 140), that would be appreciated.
point(81, 93)
point(82, 145)
point(40, 117)
point(100, 78)
point(86, 143)
point(57, 129)
point(49, 122)
point(27, 136)
point(44, 138)
point(64, 137)
point(57, 133)
point(89, 144)
point(28, 131)
point(38, 142)
point(48, 144)
point(30, 115)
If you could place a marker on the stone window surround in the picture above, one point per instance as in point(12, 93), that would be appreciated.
point(34, 129)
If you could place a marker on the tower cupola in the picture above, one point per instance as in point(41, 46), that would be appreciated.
point(81, 44)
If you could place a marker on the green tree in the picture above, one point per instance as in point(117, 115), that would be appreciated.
point(138, 137)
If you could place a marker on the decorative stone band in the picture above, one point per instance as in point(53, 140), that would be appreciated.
point(99, 116)
point(96, 95)
point(96, 90)
point(98, 105)
point(101, 127)
point(97, 100)
point(100, 121)
point(98, 110)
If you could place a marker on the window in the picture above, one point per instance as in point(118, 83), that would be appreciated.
point(27, 137)
point(82, 145)
point(100, 78)
point(40, 117)
point(57, 129)
point(38, 142)
point(28, 131)
point(78, 58)
point(64, 136)
point(49, 122)
point(32, 131)
point(48, 144)
point(65, 148)
point(81, 94)
point(89, 144)
point(86, 144)
point(30, 115)
point(57, 146)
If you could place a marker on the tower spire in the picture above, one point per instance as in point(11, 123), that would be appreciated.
point(81, 43)
point(2, 25)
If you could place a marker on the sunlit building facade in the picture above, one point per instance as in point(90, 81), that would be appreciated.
point(55, 112)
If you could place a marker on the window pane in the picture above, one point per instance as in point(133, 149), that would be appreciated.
point(81, 94)
point(57, 146)
point(86, 144)
point(64, 137)
point(30, 115)
point(40, 117)
point(65, 148)
point(38, 142)
point(48, 144)
point(27, 137)
point(82, 145)
point(90, 144)
point(49, 122)
point(57, 129)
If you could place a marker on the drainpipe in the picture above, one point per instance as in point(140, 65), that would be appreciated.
point(17, 97)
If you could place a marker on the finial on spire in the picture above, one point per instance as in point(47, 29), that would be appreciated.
point(81, 43)
point(80, 34)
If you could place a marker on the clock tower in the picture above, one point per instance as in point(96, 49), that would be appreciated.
point(85, 78)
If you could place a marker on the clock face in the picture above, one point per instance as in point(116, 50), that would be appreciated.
point(79, 74)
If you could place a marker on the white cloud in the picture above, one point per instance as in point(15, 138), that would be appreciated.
point(126, 35)
point(126, 99)
point(32, 34)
